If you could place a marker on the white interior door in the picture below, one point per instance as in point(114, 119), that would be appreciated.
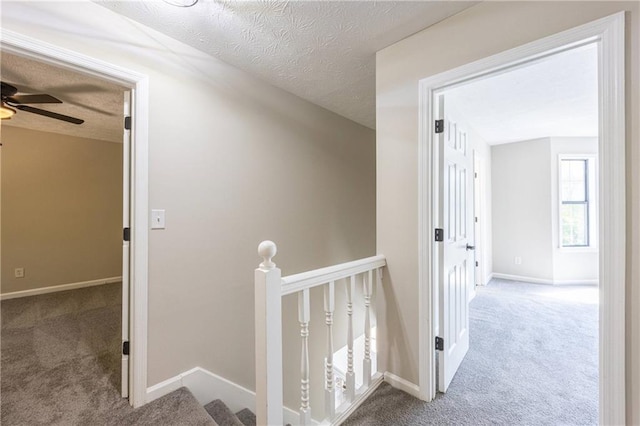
point(456, 267)
point(126, 209)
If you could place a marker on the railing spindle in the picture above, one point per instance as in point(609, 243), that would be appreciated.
point(329, 390)
point(270, 287)
point(303, 318)
point(366, 363)
point(350, 376)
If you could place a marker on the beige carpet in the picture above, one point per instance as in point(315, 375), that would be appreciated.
point(60, 364)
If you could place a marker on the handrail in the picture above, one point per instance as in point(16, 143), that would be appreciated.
point(304, 280)
point(270, 287)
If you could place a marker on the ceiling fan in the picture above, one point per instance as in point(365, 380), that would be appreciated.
point(12, 101)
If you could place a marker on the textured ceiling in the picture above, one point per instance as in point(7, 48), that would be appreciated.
point(555, 97)
point(322, 51)
point(98, 102)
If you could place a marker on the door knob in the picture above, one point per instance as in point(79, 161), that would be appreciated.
point(470, 247)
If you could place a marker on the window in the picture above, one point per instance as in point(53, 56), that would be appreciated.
point(577, 197)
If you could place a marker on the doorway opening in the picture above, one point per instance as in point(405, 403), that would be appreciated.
point(65, 268)
point(540, 160)
point(445, 315)
point(136, 187)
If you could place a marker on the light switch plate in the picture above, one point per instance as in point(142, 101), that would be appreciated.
point(157, 219)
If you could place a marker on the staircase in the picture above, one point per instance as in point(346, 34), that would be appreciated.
point(223, 416)
point(181, 408)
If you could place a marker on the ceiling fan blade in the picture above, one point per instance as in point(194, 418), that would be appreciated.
point(8, 90)
point(49, 114)
point(34, 99)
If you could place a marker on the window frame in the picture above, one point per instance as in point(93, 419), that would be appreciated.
point(591, 202)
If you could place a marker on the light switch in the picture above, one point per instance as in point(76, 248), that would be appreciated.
point(157, 219)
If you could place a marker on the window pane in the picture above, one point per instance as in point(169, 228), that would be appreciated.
point(574, 225)
point(573, 174)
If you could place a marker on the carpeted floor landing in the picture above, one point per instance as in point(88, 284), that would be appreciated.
point(60, 364)
point(533, 360)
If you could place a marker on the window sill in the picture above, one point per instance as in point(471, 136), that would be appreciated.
point(578, 249)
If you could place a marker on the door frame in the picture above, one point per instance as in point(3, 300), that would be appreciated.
point(138, 83)
point(478, 221)
point(608, 33)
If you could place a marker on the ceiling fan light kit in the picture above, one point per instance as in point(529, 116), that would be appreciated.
point(6, 112)
point(11, 102)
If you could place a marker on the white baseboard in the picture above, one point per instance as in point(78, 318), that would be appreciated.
point(576, 282)
point(402, 384)
point(206, 387)
point(56, 288)
point(361, 396)
point(488, 278)
point(542, 280)
point(511, 277)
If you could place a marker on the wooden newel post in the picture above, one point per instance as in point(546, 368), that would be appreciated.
point(268, 310)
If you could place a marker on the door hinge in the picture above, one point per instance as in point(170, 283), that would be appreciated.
point(477, 264)
point(127, 123)
point(439, 344)
point(439, 234)
point(125, 348)
point(126, 234)
point(439, 126)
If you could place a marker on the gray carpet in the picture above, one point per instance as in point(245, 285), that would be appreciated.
point(247, 417)
point(222, 415)
point(60, 364)
point(533, 360)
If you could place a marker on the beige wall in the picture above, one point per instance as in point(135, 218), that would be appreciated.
point(233, 161)
point(62, 209)
point(485, 29)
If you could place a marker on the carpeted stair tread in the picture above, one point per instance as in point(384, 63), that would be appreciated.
point(222, 415)
point(247, 417)
point(179, 407)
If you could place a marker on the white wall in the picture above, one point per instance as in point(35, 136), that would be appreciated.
point(521, 200)
point(475, 33)
point(570, 265)
point(234, 161)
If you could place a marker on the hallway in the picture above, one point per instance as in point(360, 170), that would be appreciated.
point(533, 359)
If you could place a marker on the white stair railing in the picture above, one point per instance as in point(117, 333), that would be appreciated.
point(270, 287)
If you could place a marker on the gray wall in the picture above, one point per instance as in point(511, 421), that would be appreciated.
point(521, 206)
point(234, 161)
point(570, 264)
point(61, 209)
point(480, 31)
point(525, 212)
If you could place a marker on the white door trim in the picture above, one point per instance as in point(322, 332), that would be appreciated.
point(19, 44)
point(608, 32)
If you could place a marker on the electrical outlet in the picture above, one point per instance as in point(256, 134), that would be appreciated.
point(19, 272)
point(518, 260)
